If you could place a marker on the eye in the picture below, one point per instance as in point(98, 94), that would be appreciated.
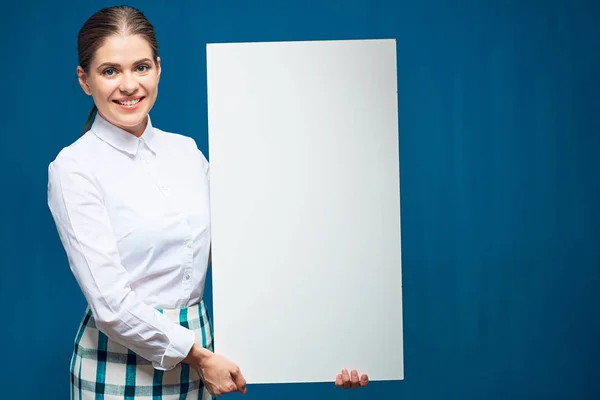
point(143, 68)
point(109, 72)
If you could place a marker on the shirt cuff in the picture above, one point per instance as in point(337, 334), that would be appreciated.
point(182, 340)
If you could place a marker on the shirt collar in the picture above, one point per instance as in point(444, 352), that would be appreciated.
point(121, 139)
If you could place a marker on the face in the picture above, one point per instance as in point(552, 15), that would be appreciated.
point(123, 81)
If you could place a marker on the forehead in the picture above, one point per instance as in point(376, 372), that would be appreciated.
point(123, 50)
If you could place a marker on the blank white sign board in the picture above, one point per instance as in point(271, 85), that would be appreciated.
point(305, 204)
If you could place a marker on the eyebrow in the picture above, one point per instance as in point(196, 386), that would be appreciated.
point(111, 64)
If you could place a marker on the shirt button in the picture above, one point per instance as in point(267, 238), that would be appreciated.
point(187, 277)
point(189, 245)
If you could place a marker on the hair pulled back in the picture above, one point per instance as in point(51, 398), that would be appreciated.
point(111, 21)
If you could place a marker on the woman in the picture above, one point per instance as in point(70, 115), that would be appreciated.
point(131, 206)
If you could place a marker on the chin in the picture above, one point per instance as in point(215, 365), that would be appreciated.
point(132, 120)
point(128, 122)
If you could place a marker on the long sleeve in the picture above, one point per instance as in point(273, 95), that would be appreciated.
point(85, 231)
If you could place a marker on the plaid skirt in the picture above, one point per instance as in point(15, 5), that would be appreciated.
point(104, 369)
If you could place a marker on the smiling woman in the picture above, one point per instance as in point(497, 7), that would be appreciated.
point(131, 206)
point(122, 73)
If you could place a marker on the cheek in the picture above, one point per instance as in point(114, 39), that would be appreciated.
point(102, 89)
point(150, 83)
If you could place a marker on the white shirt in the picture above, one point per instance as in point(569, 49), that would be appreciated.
point(133, 216)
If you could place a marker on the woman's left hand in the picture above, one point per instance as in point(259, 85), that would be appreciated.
point(351, 380)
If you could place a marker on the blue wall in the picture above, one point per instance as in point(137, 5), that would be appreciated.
point(499, 141)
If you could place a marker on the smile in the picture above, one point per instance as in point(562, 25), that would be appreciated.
point(128, 103)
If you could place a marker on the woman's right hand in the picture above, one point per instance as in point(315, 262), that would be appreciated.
point(219, 375)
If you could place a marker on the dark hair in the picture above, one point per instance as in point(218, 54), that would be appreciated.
point(111, 21)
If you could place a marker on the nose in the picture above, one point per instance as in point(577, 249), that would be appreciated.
point(128, 84)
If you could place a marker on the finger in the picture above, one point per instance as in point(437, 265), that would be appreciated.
point(338, 380)
point(345, 378)
point(354, 379)
point(210, 389)
point(364, 380)
point(239, 381)
point(231, 387)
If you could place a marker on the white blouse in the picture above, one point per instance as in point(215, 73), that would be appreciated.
point(133, 216)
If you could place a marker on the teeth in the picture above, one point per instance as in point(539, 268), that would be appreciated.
point(129, 102)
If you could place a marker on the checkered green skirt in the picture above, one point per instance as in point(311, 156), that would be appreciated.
point(104, 369)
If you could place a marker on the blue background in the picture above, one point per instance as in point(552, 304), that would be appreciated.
point(499, 138)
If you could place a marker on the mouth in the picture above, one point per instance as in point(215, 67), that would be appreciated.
point(129, 103)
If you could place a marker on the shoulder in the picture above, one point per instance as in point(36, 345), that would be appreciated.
point(74, 158)
point(186, 145)
point(176, 139)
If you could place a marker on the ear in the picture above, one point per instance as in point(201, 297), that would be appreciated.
point(83, 81)
point(158, 67)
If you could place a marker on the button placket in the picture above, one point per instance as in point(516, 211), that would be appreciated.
point(188, 257)
point(161, 186)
